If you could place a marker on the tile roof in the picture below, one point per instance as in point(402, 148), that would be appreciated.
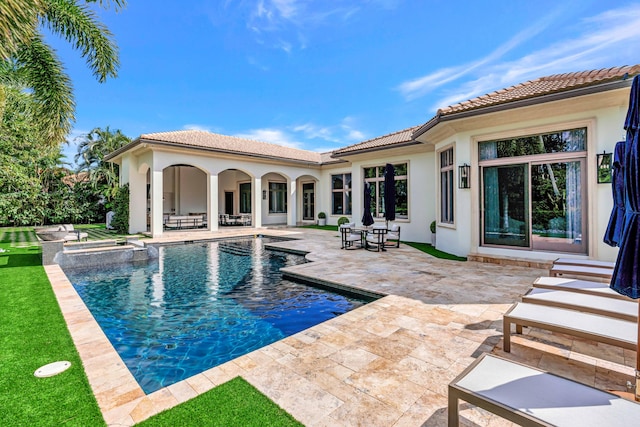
point(401, 137)
point(232, 144)
point(543, 86)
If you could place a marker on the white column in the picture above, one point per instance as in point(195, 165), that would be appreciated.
point(137, 196)
point(292, 203)
point(156, 203)
point(212, 202)
point(256, 190)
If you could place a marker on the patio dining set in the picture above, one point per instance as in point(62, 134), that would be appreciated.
point(377, 237)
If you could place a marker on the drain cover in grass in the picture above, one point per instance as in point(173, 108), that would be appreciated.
point(52, 369)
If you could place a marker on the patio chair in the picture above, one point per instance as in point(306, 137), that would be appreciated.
point(529, 396)
point(393, 234)
point(349, 236)
point(376, 238)
point(616, 332)
point(73, 234)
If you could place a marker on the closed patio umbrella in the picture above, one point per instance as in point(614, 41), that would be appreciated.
point(626, 275)
point(616, 221)
point(367, 218)
point(389, 193)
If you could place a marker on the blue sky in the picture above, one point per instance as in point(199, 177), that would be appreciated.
point(320, 75)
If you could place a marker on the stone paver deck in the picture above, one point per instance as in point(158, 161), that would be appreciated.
point(385, 364)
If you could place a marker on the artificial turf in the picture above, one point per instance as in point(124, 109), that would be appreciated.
point(234, 403)
point(32, 334)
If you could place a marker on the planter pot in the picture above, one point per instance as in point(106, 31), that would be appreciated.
point(433, 240)
point(322, 221)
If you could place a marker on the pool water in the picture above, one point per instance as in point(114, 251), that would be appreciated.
point(200, 305)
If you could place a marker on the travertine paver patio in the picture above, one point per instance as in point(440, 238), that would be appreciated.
point(384, 364)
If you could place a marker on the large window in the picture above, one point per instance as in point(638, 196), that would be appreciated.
point(341, 194)
point(245, 197)
point(446, 186)
point(532, 191)
point(277, 197)
point(375, 177)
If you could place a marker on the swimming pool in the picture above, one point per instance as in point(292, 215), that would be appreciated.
point(200, 305)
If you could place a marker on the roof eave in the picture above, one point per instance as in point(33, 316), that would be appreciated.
point(557, 96)
point(215, 150)
point(338, 154)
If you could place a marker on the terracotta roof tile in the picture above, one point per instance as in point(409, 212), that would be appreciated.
point(232, 144)
point(387, 141)
point(543, 86)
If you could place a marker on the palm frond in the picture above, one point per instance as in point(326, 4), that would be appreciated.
point(79, 25)
point(18, 22)
point(42, 72)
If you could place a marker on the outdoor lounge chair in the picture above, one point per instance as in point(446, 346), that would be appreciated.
point(581, 286)
point(73, 234)
point(584, 262)
point(376, 238)
point(530, 397)
point(349, 236)
point(620, 333)
point(602, 305)
point(393, 234)
point(581, 271)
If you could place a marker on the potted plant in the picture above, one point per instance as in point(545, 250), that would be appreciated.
point(322, 218)
point(432, 228)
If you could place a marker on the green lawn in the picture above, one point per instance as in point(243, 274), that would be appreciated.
point(235, 403)
point(33, 333)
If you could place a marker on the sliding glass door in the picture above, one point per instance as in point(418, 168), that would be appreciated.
point(506, 205)
point(557, 206)
point(532, 192)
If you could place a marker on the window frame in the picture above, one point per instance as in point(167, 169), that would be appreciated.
point(377, 182)
point(446, 207)
point(280, 191)
point(347, 199)
point(530, 161)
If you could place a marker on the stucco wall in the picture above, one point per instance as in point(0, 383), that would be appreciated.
point(604, 130)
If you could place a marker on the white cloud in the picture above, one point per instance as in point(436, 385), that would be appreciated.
point(309, 136)
point(608, 39)
point(192, 126)
point(285, 24)
point(274, 136)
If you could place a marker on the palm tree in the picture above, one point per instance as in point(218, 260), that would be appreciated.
point(103, 176)
point(27, 62)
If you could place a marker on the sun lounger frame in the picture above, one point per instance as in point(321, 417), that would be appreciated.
point(584, 262)
point(588, 303)
point(578, 395)
point(576, 285)
point(580, 270)
point(543, 313)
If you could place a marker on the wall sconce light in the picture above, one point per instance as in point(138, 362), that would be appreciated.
point(463, 176)
point(604, 162)
point(264, 194)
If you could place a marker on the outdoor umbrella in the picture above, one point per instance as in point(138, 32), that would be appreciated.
point(616, 221)
point(389, 193)
point(626, 278)
point(367, 218)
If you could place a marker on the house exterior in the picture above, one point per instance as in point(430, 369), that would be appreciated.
point(513, 173)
